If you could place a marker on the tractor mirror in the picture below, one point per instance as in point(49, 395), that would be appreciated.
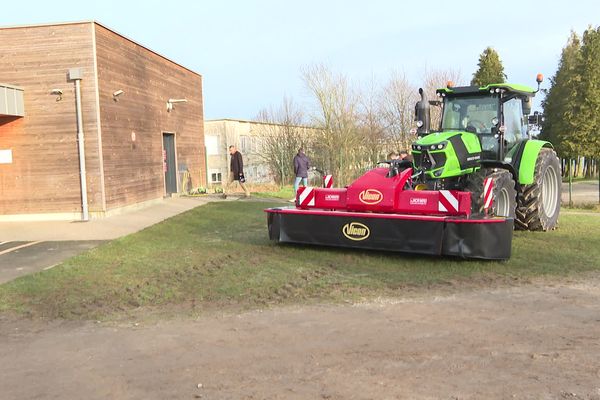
point(526, 102)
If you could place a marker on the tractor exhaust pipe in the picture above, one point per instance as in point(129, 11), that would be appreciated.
point(423, 114)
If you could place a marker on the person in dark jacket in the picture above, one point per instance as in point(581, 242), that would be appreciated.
point(236, 172)
point(301, 167)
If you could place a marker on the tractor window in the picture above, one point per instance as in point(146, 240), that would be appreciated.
point(473, 113)
point(513, 120)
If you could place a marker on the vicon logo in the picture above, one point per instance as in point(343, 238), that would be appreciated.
point(356, 231)
point(370, 196)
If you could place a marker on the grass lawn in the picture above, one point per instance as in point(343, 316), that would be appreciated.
point(285, 193)
point(218, 257)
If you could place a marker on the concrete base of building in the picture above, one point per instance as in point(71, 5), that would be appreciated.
point(77, 216)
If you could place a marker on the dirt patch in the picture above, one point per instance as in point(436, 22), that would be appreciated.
point(529, 342)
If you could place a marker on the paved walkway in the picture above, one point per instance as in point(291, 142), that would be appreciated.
point(107, 228)
point(583, 192)
point(31, 246)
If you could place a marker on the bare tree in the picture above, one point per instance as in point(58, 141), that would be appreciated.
point(337, 145)
point(434, 79)
point(281, 135)
point(398, 103)
point(372, 125)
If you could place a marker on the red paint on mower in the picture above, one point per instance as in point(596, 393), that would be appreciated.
point(384, 213)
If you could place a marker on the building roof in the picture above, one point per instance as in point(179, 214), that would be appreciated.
point(105, 27)
point(247, 121)
point(521, 89)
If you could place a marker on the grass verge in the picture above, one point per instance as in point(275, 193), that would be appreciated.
point(285, 193)
point(219, 257)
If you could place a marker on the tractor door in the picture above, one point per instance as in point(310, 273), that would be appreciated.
point(516, 129)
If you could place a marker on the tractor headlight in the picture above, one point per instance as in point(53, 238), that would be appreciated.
point(438, 146)
point(419, 123)
point(419, 148)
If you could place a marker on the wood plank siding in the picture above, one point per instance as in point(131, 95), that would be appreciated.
point(133, 170)
point(44, 174)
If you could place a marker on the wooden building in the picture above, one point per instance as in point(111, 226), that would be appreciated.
point(141, 117)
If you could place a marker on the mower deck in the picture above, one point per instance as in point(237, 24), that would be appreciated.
point(466, 237)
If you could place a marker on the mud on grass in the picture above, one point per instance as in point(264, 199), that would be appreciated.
point(218, 257)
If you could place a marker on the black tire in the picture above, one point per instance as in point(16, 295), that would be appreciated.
point(538, 204)
point(504, 195)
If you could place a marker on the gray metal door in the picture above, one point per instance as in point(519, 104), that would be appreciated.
point(169, 163)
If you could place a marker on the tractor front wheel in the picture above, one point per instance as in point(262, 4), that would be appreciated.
point(504, 195)
point(539, 202)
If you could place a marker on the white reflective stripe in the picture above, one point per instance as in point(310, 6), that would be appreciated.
point(328, 180)
point(487, 184)
point(488, 201)
point(451, 199)
point(304, 194)
point(487, 192)
point(441, 207)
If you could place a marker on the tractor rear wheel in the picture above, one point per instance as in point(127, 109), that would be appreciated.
point(539, 203)
point(504, 195)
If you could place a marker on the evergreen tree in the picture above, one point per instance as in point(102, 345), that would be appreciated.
point(586, 96)
point(490, 69)
point(559, 126)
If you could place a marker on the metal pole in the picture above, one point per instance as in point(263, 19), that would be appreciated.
point(208, 182)
point(282, 169)
point(570, 182)
point(82, 172)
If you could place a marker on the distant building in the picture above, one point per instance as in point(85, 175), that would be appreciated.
point(142, 118)
point(246, 136)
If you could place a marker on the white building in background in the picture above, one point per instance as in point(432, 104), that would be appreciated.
point(247, 136)
point(220, 134)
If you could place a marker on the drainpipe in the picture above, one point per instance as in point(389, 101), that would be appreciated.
point(76, 75)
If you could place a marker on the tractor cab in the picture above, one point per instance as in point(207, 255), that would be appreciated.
point(489, 112)
point(478, 125)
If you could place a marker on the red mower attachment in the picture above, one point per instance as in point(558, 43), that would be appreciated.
point(380, 212)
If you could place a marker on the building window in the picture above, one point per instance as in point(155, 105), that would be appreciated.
point(215, 176)
point(245, 144)
point(212, 145)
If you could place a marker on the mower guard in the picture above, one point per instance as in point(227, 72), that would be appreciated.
point(483, 238)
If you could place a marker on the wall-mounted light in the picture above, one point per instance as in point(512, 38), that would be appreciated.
point(170, 103)
point(58, 93)
point(117, 94)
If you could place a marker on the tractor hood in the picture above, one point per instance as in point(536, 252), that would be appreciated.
point(447, 154)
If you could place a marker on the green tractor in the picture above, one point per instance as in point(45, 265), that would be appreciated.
point(483, 134)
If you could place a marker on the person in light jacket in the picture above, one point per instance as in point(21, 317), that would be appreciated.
point(301, 167)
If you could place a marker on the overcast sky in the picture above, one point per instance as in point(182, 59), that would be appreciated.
point(251, 52)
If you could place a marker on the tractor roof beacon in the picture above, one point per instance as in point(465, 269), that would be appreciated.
point(473, 181)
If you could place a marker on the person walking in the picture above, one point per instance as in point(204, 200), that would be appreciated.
point(301, 167)
point(236, 172)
